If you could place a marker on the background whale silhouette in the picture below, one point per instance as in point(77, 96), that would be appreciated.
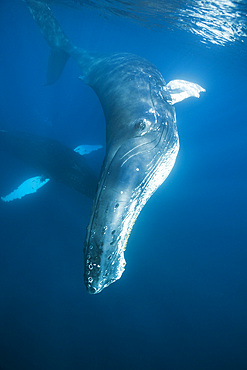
point(52, 159)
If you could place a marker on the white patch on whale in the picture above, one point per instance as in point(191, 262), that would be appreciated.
point(29, 186)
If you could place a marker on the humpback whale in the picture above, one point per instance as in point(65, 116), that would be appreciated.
point(52, 159)
point(141, 140)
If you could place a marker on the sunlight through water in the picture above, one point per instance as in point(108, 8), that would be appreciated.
point(213, 21)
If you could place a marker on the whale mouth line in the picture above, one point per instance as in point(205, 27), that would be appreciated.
point(158, 139)
point(139, 152)
point(107, 169)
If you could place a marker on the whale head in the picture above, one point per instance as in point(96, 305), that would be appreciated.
point(142, 141)
point(139, 157)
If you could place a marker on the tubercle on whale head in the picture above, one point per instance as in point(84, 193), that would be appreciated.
point(129, 177)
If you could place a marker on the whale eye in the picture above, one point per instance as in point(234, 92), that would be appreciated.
point(140, 125)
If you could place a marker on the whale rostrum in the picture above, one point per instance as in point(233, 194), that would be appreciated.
point(141, 141)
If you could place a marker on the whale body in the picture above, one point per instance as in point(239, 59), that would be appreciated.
point(52, 160)
point(141, 141)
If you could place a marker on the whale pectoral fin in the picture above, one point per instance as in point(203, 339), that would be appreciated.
point(27, 187)
point(56, 64)
point(180, 90)
point(86, 149)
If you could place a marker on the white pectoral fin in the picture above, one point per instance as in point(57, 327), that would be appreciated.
point(27, 187)
point(180, 90)
point(86, 149)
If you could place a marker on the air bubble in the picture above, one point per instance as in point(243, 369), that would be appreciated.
point(90, 266)
point(90, 279)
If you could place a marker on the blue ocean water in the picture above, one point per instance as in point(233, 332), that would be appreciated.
point(182, 301)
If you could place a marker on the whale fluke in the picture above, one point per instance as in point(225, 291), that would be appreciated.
point(61, 47)
point(57, 61)
point(55, 37)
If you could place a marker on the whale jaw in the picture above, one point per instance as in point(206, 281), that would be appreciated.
point(128, 180)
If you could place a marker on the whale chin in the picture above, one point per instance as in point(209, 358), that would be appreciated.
point(104, 247)
point(127, 181)
point(110, 271)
